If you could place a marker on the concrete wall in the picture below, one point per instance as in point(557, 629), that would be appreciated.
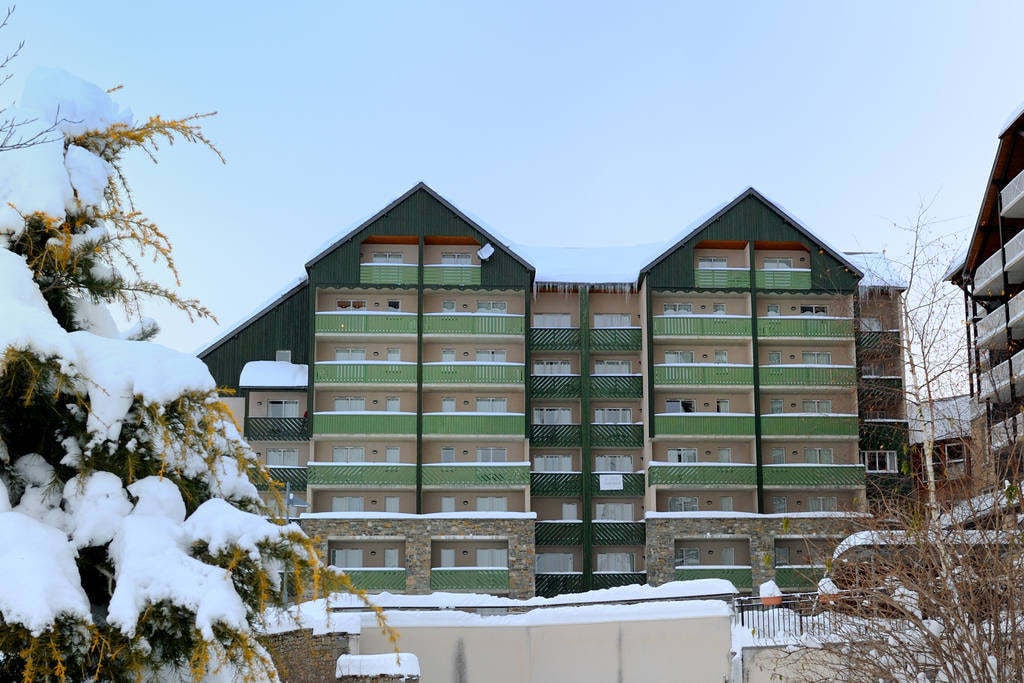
point(782, 665)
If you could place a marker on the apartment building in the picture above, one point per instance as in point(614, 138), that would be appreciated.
point(463, 414)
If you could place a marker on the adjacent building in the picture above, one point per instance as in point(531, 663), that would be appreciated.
point(461, 413)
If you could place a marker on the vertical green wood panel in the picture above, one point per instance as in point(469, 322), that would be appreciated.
point(387, 274)
point(783, 279)
point(615, 579)
point(550, 585)
point(392, 580)
point(787, 375)
point(469, 579)
point(740, 577)
point(434, 274)
point(701, 375)
point(364, 373)
point(722, 278)
point(809, 425)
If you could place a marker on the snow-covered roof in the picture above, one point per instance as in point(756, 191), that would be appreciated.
point(272, 373)
point(958, 262)
point(951, 416)
point(878, 270)
point(1017, 113)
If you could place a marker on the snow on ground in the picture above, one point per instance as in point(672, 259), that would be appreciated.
point(396, 664)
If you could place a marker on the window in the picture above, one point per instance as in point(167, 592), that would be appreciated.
point(779, 504)
point(549, 563)
point(674, 357)
point(680, 405)
point(781, 556)
point(447, 355)
point(722, 405)
point(386, 257)
point(391, 503)
point(350, 304)
point(552, 416)
point(492, 405)
point(393, 404)
point(456, 259)
point(718, 309)
point(879, 461)
point(347, 504)
point(447, 404)
point(613, 320)
point(871, 324)
point(282, 408)
point(490, 355)
point(872, 369)
point(724, 455)
point(612, 367)
point(822, 503)
point(774, 310)
point(491, 454)
point(552, 367)
point(682, 504)
point(447, 306)
point(350, 404)
point(394, 355)
point(492, 503)
point(394, 304)
point(711, 262)
point(613, 463)
point(614, 512)
point(818, 456)
point(393, 454)
point(775, 358)
point(778, 456)
point(721, 356)
point(618, 416)
point(777, 263)
point(725, 505)
point(348, 454)
point(813, 309)
point(560, 320)
point(492, 307)
point(347, 558)
point(283, 356)
point(491, 557)
point(615, 562)
point(552, 463)
point(677, 309)
point(447, 557)
point(728, 553)
point(775, 406)
point(349, 354)
point(570, 511)
point(391, 557)
point(447, 503)
point(816, 358)
point(682, 455)
point(447, 454)
point(283, 457)
point(817, 405)
point(688, 557)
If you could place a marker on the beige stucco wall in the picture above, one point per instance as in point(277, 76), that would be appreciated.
point(735, 304)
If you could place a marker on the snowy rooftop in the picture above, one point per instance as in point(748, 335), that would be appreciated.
point(271, 373)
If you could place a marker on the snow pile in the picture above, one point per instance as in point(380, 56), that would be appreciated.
point(222, 526)
point(770, 589)
point(27, 322)
point(270, 373)
point(399, 664)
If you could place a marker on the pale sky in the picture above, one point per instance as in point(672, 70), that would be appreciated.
point(555, 123)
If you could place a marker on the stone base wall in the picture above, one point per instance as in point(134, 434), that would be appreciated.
point(301, 656)
point(418, 534)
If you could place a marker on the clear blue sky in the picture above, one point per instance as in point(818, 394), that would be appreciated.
point(558, 123)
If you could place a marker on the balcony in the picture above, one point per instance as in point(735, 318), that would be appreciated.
point(741, 577)
point(702, 326)
point(473, 373)
point(367, 324)
point(704, 424)
point(556, 484)
point(550, 585)
point(388, 273)
point(556, 436)
point(992, 328)
point(370, 423)
point(461, 324)
point(793, 279)
point(618, 533)
point(375, 580)
point(435, 274)
point(632, 484)
point(883, 343)
point(809, 425)
point(1013, 197)
point(616, 579)
point(722, 278)
point(555, 386)
point(988, 278)
point(804, 375)
point(798, 577)
point(1007, 432)
point(371, 372)
point(617, 435)
point(487, 579)
point(616, 386)
point(555, 338)
point(361, 475)
point(615, 339)
point(558, 533)
point(474, 424)
point(703, 374)
point(814, 476)
point(276, 429)
point(797, 327)
point(996, 381)
point(477, 475)
point(296, 477)
point(701, 475)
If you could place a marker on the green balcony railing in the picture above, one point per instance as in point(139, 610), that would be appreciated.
point(616, 579)
point(276, 429)
point(388, 273)
point(805, 327)
point(391, 580)
point(704, 475)
point(882, 343)
point(701, 326)
point(808, 425)
point(474, 424)
point(785, 375)
point(550, 585)
point(741, 577)
point(364, 423)
point(555, 386)
point(451, 275)
point(472, 373)
point(619, 533)
point(556, 484)
point(364, 373)
point(555, 338)
point(617, 435)
point(443, 323)
point(730, 278)
point(361, 474)
point(555, 436)
point(783, 279)
point(475, 475)
point(798, 578)
point(812, 476)
point(365, 323)
point(294, 476)
point(616, 386)
point(468, 579)
point(558, 533)
point(704, 424)
point(701, 375)
point(632, 485)
point(615, 339)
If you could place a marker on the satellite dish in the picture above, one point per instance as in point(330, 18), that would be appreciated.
point(485, 252)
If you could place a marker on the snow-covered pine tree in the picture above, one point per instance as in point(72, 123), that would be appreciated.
point(133, 544)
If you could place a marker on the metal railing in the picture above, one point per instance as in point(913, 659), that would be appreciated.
point(797, 614)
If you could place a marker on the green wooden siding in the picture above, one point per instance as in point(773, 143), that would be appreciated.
point(511, 325)
point(632, 485)
point(451, 275)
point(558, 533)
point(364, 373)
point(616, 579)
point(469, 579)
point(391, 580)
point(615, 339)
point(722, 278)
point(619, 533)
point(462, 373)
point(555, 436)
point(840, 328)
point(616, 386)
point(550, 585)
point(276, 429)
point(775, 280)
point(616, 435)
point(798, 578)
point(476, 476)
point(555, 338)
point(800, 476)
point(700, 326)
point(555, 386)
point(296, 476)
point(879, 343)
point(704, 424)
point(704, 475)
point(809, 425)
point(741, 577)
point(556, 484)
point(388, 274)
point(365, 323)
point(364, 423)
point(483, 423)
point(783, 375)
point(703, 375)
point(361, 474)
